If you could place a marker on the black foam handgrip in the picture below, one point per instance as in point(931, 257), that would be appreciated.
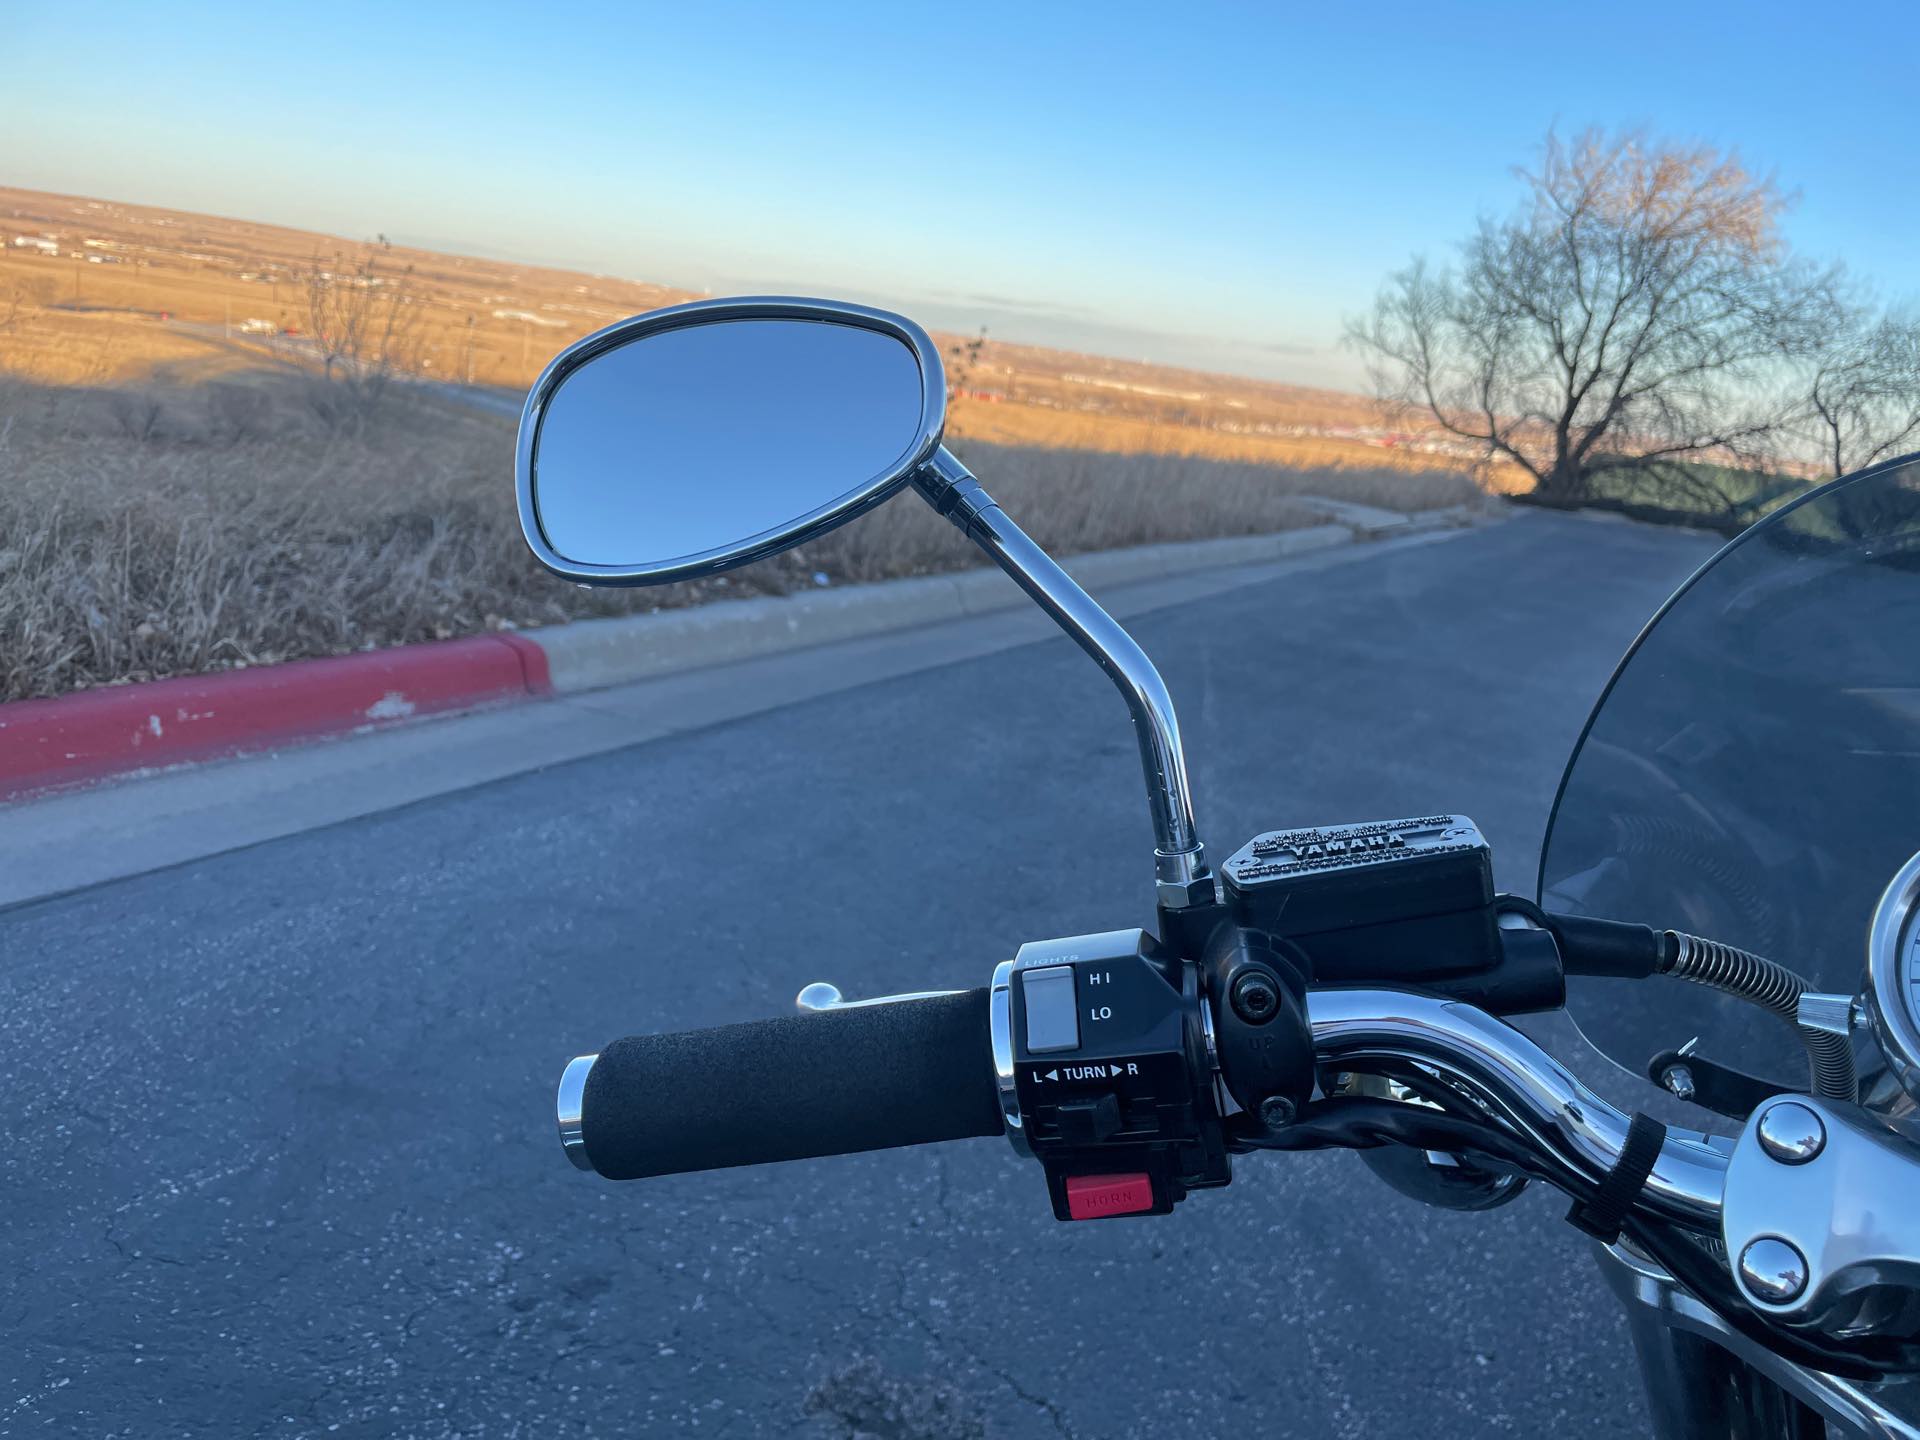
point(861, 1078)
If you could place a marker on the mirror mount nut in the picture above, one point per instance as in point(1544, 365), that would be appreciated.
point(950, 488)
point(1186, 894)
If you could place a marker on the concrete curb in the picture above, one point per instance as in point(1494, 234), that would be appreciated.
point(49, 744)
point(75, 739)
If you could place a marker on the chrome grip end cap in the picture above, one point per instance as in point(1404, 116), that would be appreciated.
point(571, 1100)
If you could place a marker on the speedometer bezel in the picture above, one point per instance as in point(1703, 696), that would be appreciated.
point(1889, 1008)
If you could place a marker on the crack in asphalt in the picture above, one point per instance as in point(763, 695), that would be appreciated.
point(946, 1342)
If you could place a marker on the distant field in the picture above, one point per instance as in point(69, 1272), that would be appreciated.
point(134, 292)
point(1015, 424)
point(480, 320)
point(123, 349)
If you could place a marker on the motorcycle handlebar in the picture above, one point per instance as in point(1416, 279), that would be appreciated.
point(918, 1070)
point(1525, 1086)
point(831, 1083)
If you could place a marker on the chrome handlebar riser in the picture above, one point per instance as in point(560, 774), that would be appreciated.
point(1819, 1218)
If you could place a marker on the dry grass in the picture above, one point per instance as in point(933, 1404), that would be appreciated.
point(57, 347)
point(164, 531)
point(1077, 500)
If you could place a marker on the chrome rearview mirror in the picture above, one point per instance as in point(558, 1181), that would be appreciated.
point(688, 441)
point(691, 440)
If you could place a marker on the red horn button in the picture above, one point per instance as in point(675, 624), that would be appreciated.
point(1095, 1197)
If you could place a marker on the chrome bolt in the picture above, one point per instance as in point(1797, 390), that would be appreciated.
point(1773, 1270)
point(1679, 1081)
point(1791, 1133)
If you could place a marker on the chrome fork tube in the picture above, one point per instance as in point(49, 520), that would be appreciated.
point(1180, 860)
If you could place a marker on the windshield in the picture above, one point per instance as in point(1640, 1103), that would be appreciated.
point(1752, 773)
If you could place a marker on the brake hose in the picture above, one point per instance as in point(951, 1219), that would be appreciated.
point(1773, 987)
point(1592, 946)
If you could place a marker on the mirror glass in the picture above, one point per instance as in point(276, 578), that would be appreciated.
point(712, 437)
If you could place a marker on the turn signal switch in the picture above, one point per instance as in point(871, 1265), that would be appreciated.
point(1106, 1073)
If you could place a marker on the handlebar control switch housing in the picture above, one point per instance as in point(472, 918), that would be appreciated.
point(1107, 1049)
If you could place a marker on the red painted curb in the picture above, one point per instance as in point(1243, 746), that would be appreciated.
point(95, 733)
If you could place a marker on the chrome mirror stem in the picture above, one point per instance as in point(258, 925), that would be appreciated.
point(1180, 860)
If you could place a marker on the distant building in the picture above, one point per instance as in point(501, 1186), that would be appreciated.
point(41, 243)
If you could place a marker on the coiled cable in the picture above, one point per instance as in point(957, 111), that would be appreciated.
point(1774, 987)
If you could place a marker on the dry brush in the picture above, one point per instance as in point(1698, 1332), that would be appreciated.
point(161, 533)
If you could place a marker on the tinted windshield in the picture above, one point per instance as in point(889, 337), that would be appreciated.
point(1752, 773)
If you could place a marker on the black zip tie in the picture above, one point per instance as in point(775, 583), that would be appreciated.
point(1604, 1214)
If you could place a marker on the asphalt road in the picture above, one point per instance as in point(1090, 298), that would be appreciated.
point(281, 1155)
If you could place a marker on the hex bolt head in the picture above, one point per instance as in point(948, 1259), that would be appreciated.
point(1276, 1112)
point(1790, 1132)
point(1773, 1270)
point(1679, 1081)
point(1256, 999)
point(1186, 894)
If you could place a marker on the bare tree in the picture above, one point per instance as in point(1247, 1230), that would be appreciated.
point(962, 357)
point(1635, 318)
point(361, 333)
point(1865, 390)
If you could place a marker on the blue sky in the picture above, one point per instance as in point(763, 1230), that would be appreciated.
point(1215, 185)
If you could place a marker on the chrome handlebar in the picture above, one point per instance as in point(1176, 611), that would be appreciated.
point(1520, 1083)
point(1791, 1181)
